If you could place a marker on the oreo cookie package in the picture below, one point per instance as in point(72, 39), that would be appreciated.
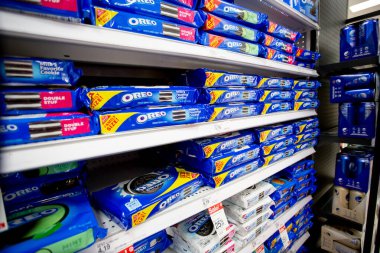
point(154, 243)
point(276, 83)
point(280, 56)
point(283, 153)
point(305, 125)
point(246, 228)
point(306, 84)
point(277, 144)
point(133, 201)
point(305, 94)
point(307, 136)
point(306, 55)
point(278, 44)
point(306, 145)
point(282, 32)
point(270, 132)
point(235, 110)
point(306, 104)
point(252, 235)
point(272, 95)
point(227, 95)
point(272, 107)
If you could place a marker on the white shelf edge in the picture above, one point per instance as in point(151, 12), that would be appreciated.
point(121, 239)
point(297, 244)
point(275, 225)
point(28, 156)
point(102, 45)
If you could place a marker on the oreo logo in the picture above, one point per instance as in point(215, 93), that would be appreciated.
point(232, 94)
point(203, 226)
point(136, 95)
point(150, 116)
point(31, 217)
point(8, 128)
point(146, 184)
point(11, 196)
point(229, 111)
point(234, 44)
point(141, 21)
point(228, 78)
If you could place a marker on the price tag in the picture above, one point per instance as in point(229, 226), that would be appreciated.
point(260, 249)
point(284, 236)
point(3, 217)
point(103, 247)
point(219, 219)
point(128, 249)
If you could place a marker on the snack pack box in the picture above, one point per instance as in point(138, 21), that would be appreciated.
point(272, 95)
point(235, 110)
point(275, 55)
point(278, 44)
point(156, 242)
point(306, 104)
point(310, 9)
point(277, 144)
point(167, 10)
point(298, 177)
point(307, 136)
point(281, 154)
point(270, 132)
point(243, 229)
point(305, 94)
point(354, 81)
point(282, 32)
point(207, 147)
point(306, 84)
point(306, 55)
point(37, 71)
point(216, 78)
point(297, 167)
point(276, 83)
point(43, 127)
point(305, 125)
point(150, 116)
point(272, 107)
point(359, 95)
point(142, 24)
point(228, 95)
point(64, 223)
point(119, 97)
point(279, 202)
point(132, 201)
point(245, 239)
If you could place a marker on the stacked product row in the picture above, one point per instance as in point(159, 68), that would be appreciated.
point(33, 114)
point(357, 95)
point(214, 23)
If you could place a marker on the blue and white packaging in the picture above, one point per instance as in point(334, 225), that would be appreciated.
point(282, 32)
point(360, 95)
point(272, 95)
point(213, 146)
point(157, 8)
point(222, 162)
point(305, 145)
point(275, 55)
point(192, 4)
point(305, 94)
point(37, 71)
point(302, 126)
point(279, 45)
point(64, 223)
point(43, 127)
point(310, 8)
point(306, 55)
point(252, 235)
point(283, 187)
point(235, 110)
point(228, 95)
point(276, 83)
point(157, 242)
point(298, 177)
point(272, 107)
point(142, 24)
point(304, 64)
point(246, 228)
point(299, 166)
point(270, 132)
point(150, 116)
point(234, 13)
point(307, 136)
point(132, 201)
point(306, 85)
point(215, 78)
point(281, 201)
point(306, 104)
point(276, 144)
point(118, 97)
point(281, 154)
point(282, 208)
point(272, 241)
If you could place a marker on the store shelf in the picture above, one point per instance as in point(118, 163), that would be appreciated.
point(275, 226)
point(22, 157)
point(366, 63)
point(119, 239)
point(281, 13)
point(101, 45)
point(331, 136)
point(297, 244)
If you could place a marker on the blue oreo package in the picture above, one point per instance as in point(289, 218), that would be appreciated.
point(276, 144)
point(268, 133)
point(154, 243)
point(305, 94)
point(43, 127)
point(211, 40)
point(142, 24)
point(234, 173)
point(306, 85)
point(283, 187)
point(306, 55)
point(271, 95)
point(281, 154)
point(235, 110)
point(303, 64)
point(64, 223)
point(300, 176)
point(33, 101)
point(306, 104)
point(281, 201)
point(213, 146)
point(282, 208)
point(275, 55)
point(215, 78)
point(37, 71)
point(223, 27)
point(297, 167)
point(118, 97)
point(275, 239)
point(282, 32)
point(132, 201)
point(272, 107)
point(150, 116)
point(305, 192)
point(305, 183)
point(279, 45)
point(307, 136)
point(276, 83)
point(222, 162)
point(305, 125)
point(306, 145)
point(234, 13)
point(354, 81)
point(227, 95)
point(157, 8)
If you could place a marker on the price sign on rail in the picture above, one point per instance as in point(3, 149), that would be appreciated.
point(219, 219)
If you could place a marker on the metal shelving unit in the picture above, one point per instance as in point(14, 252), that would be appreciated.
point(297, 244)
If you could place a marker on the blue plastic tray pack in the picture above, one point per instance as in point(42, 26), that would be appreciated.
point(205, 148)
point(276, 83)
point(223, 27)
point(281, 154)
point(36, 71)
point(305, 125)
point(305, 94)
point(119, 97)
point(154, 243)
point(142, 24)
point(150, 116)
point(227, 95)
point(157, 8)
point(277, 144)
point(272, 107)
point(270, 132)
point(235, 110)
point(131, 202)
point(43, 127)
point(306, 84)
point(275, 55)
point(307, 136)
point(281, 201)
point(33, 101)
point(278, 44)
point(271, 95)
point(306, 104)
point(211, 40)
point(282, 32)
point(234, 13)
point(64, 223)
point(296, 168)
point(306, 55)
point(222, 162)
point(215, 78)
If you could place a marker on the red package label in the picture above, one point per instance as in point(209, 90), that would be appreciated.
point(60, 114)
point(75, 126)
point(215, 208)
point(129, 249)
point(187, 2)
point(187, 33)
point(186, 15)
point(67, 5)
point(56, 100)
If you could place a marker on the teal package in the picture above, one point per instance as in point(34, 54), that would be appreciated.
point(219, 144)
point(306, 104)
point(227, 95)
point(131, 202)
point(64, 223)
point(222, 162)
point(307, 136)
point(270, 132)
point(272, 95)
point(235, 110)
point(119, 97)
point(272, 107)
point(276, 83)
point(276, 144)
point(305, 145)
point(305, 125)
point(306, 85)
